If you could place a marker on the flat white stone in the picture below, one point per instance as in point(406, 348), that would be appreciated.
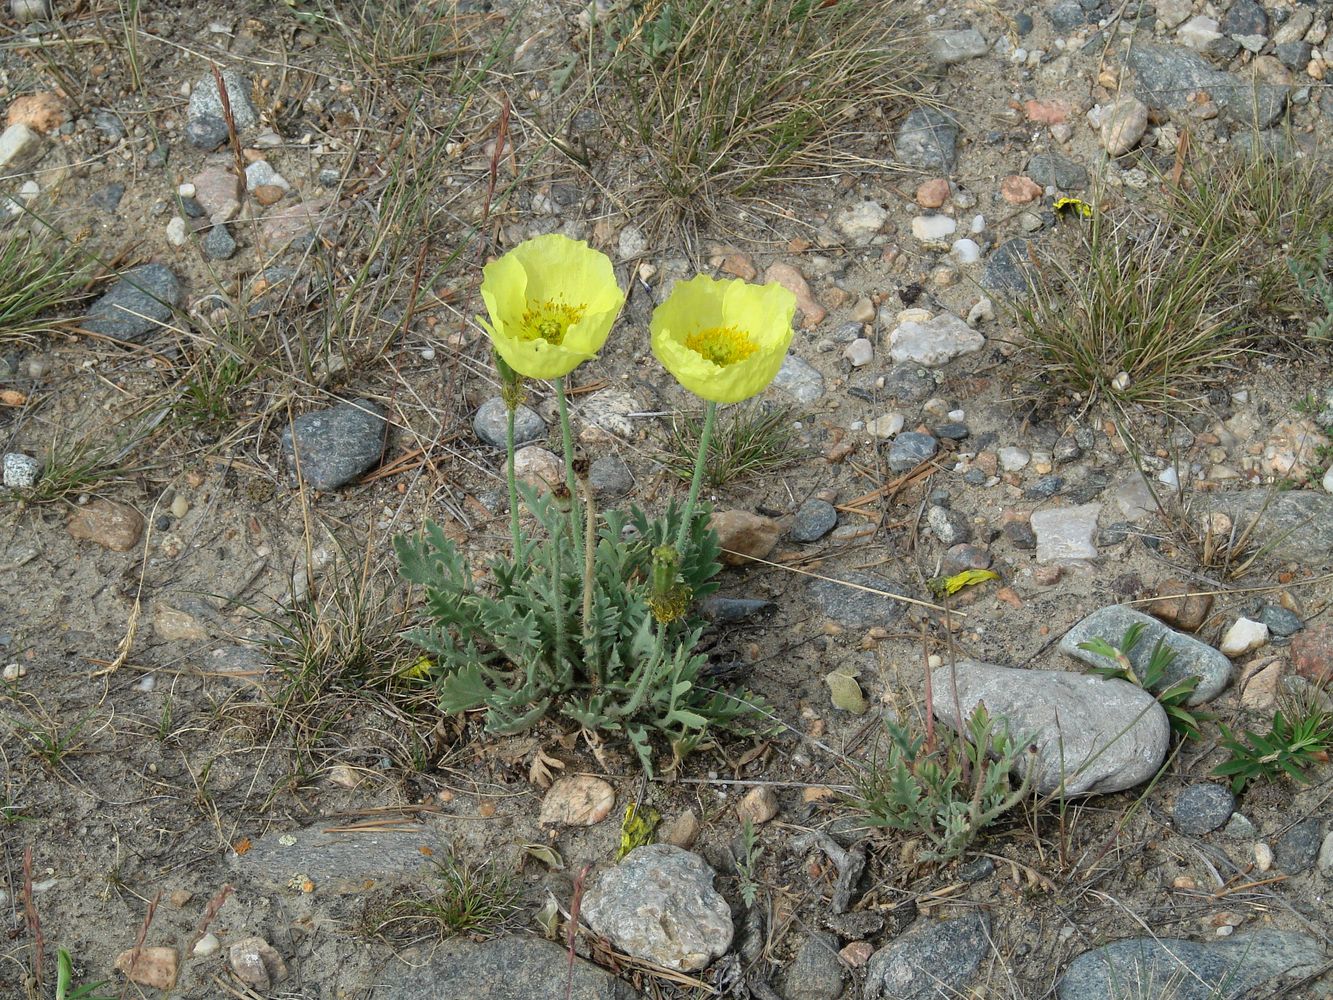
point(935, 342)
point(1243, 637)
point(1066, 532)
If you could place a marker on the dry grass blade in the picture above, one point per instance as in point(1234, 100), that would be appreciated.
point(39, 277)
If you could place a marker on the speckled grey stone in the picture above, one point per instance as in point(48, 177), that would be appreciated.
point(205, 99)
point(910, 449)
point(1297, 849)
point(491, 418)
point(1192, 656)
point(932, 959)
point(800, 380)
point(1232, 968)
point(336, 445)
point(1202, 808)
point(927, 140)
point(1280, 621)
point(140, 301)
point(949, 526)
point(207, 132)
point(21, 471)
point(816, 973)
point(857, 608)
point(610, 477)
point(1007, 267)
point(219, 244)
point(1168, 74)
point(659, 904)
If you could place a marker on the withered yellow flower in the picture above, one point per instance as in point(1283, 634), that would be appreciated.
point(723, 340)
point(551, 301)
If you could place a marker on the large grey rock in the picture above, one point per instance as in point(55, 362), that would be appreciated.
point(861, 605)
point(1092, 735)
point(927, 140)
point(1167, 75)
point(1294, 524)
point(336, 445)
point(206, 101)
point(659, 904)
point(1232, 968)
point(138, 302)
point(335, 862)
point(507, 968)
point(1193, 658)
point(931, 960)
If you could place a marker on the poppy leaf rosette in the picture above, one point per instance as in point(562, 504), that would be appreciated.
point(723, 340)
point(552, 301)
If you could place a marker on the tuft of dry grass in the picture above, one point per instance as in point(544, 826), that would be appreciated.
point(40, 277)
point(1128, 312)
point(718, 96)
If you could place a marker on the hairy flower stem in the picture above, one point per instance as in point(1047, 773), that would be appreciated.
point(567, 440)
point(700, 463)
point(591, 656)
point(509, 475)
point(558, 604)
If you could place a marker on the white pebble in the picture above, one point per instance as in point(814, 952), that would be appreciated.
point(186, 190)
point(965, 251)
point(29, 190)
point(176, 234)
point(1243, 637)
point(13, 671)
point(978, 224)
point(1263, 856)
point(146, 683)
point(206, 946)
point(1328, 480)
point(428, 354)
point(1169, 477)
point(933, 228)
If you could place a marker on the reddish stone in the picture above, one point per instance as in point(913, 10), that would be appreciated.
point(1177, 610)
point(1312, 653)
point(1019, 190)
point(932, 193)
point(1046, 112)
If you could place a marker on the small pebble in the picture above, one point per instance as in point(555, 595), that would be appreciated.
point(1263, 856)
point(13, 671)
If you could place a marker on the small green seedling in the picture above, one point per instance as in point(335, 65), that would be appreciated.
point(1289, 747)
point(1174, 697)
point(65, 988)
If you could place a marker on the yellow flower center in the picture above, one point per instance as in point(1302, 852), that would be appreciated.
point(722, 345)
point(550, 320)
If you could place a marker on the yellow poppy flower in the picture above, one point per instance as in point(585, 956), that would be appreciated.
point(723, 340)
point(552, 301)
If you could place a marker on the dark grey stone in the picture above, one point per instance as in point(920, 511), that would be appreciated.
point(1054, 170)
point(732, 610)
point(1168, 74)
point(1294, 55)
point(856, 608)
point(108, 198)
point(207, 132)
point(930, 960)
point(157, 159)
point(975, 477)
point(1045, 487)
point(1022, 23)
point(908, 384)
point(815, 519)
point(109, 124)
point(951, 430)
point(1066, 15)
point(1297, 849)
point(141, 300)
point(927, 140)
point(977, 869)
point(1066, 450)
point(1232, 968)
point(1201, 809)
point(610, 477)
point(219, 243)
point(1296, 524)
point(816, 973)
point(1193, 658)
point(910, 449)
point(192, 208)
point(1245, 17)
point(335, 445)
point(1020, 535)
point(491, 420)
point(1007, 267)
point(1281, 622)
point(507, 968)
